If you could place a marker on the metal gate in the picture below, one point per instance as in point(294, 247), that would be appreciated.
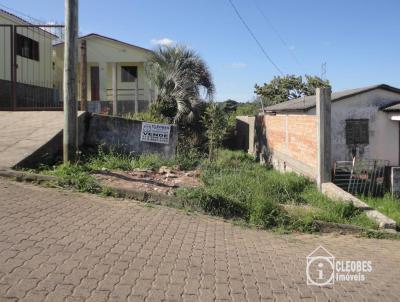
point(361, 176)
point(30, 74)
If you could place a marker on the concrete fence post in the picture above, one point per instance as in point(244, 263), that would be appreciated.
point(323, 98)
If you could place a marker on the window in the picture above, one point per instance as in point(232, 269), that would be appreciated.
point(27, 48)
point(128, 73)
point(357, 132)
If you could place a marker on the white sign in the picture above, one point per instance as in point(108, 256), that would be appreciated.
point(155, 133)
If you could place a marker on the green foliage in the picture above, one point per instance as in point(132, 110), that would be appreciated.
point(237, 186)
point(76, 176)
point(289, 87)
point(186, 159)
point(242, 109)
point(387, 205)
point(154, 114)
point(179, 74)
point(215, 120)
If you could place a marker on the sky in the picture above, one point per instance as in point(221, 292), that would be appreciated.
point(358, 39)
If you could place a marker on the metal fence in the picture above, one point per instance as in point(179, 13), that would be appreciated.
point(361, 176)
point(28, 77)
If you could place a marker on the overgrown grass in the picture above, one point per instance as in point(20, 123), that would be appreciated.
point(387, 205)
point(235, 186)
point(114, 160)
point(78, 176)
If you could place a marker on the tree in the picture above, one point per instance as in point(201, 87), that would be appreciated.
point(182, 80)
point(282, 89)
point(215, 120)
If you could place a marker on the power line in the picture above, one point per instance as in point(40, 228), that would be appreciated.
point(278, 34)
point(255, 38)
point(323, 70)
point(22, 14)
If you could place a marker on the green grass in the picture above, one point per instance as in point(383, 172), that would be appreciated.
point(78, 176)
point(387, 205)
point(114, 160)
point(235, 186)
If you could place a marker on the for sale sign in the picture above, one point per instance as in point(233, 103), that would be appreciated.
point(155, 133)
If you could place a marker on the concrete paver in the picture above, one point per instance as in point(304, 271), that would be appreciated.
point(64, 246)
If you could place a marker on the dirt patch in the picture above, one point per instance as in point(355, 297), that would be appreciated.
point(164, 180)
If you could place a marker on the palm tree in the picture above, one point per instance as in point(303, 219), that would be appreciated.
point(182, 79)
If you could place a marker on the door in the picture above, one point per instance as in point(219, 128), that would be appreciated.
point(95, 83)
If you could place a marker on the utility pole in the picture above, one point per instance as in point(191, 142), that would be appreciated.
point(83, 73)
point(70, 137)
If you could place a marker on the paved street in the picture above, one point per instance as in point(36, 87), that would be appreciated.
point(63, 246)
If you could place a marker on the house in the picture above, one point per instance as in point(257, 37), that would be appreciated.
point(26, 65)
point(364, 122)
point(109, 59)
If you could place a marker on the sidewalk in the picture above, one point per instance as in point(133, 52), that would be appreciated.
point(63, 246)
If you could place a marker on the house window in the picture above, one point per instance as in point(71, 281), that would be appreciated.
point(27, 48)
point(357, 132)
point(128, 73)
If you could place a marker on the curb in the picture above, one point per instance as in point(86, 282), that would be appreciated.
point(26, 176)
point(148, 196)
point(329, 227)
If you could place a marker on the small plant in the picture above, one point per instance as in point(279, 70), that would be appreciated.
point(152, 114)
point(215, 120)
point(76, 176)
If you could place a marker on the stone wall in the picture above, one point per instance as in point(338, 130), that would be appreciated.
point(124, 135)
point(292, 142)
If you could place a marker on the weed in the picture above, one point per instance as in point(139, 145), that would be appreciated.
point(235, 186)
point(387, 205)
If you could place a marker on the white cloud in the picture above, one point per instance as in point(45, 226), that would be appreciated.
point(292, 47)
point(237, 65)
point(163, 42)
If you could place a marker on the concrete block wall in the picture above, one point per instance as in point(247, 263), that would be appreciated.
point(124, 135)
point(292, 142)
point(245, 133)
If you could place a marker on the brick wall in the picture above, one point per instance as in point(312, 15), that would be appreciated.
point(292, 142)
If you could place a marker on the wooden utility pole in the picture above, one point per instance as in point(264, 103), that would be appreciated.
point(83, 73)
point(70, 137)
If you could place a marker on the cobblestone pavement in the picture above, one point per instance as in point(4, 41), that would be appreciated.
point(63, 246)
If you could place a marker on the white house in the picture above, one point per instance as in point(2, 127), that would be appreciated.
point(364, 122)
point(26, 64)
point(114, 68)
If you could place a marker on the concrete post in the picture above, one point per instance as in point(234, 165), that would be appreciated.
point(323, 99)
point(103, 81)
point(70, 132)
point(137, 96)
point(83, 73)
point(114, 88)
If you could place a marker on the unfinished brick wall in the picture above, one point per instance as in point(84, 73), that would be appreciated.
point(292, 142)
